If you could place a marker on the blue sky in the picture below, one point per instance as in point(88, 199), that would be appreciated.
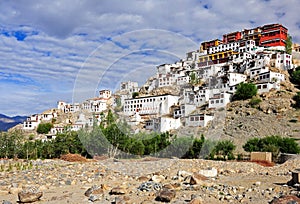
point(68, 50)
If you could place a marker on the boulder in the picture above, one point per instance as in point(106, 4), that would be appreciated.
point(196, 200)
point(195, 179)
point(29, 197)
point(94, 190)
point(117, 191)
point(158, 178)
point(210, 172)
point(165, 195)
point(286, 199)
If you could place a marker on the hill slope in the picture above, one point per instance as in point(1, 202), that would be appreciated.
point(7, 122)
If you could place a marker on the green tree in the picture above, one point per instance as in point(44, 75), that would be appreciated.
point(295, 76)
point(225, 149)
point(193, 78)
point(297, 100)
point(245, 91)
point(274, 144)
point(288, 45)
point(44, 128)
point(135, 94)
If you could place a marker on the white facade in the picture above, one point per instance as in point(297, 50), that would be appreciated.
point(130, 86)
point(163, 124)
point(266, 87)
point(224, 47)
point(198, 120)
point(183, 80)
point(95, 105)
point(164, 69)
point(166, 80)
point(236, 78)
point(150, 105)
point(57, 129)
point(219, 100)
point(32, 122)
point(271, 77)
point(105, 94)
point(253, 72)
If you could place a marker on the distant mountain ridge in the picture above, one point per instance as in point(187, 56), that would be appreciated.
point(7, 122)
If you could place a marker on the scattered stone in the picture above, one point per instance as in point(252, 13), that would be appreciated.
point(117, 191)
point(143, 179)
point(29, 195)
point(157, 178)
point(150, 186)
point(196, 200)
point(93, 198)
point(289, 199)
point(195, 179)
point(94, 190)
point(165, 195)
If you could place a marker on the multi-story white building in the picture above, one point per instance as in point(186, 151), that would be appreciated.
point(270, 76)
point(224, 47)
point(105, 94)
point(163, 124)
point(198, 120)
point(219, 100)
point(32, 122)
point(150, 105)
point(264, 87)
point(129, 86)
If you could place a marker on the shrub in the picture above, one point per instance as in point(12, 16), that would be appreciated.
point(245, 91)
point(225, 149)
point(296, 98)
point(44, 128)
point(274, 144)
point(254, 102)
point(295, 77)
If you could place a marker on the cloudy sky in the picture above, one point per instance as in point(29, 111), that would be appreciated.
point(69, 49)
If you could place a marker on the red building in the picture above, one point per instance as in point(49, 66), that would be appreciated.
point(232, 37)
point(273, 35)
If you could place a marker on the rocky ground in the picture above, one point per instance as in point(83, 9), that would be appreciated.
point(148, 180)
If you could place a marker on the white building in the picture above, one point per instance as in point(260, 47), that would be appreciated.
point(129, 86)
point(219, 100)
point(224, 47)
point(95, 105)
point(183, 110)
point(163, 124)
point(58, 128)
point(150, 105)
point(264, 87)
point(105, 94)
point(198, 120)
point(270, 76)
point(32, 122)
point(49, 115)
point(236, 78)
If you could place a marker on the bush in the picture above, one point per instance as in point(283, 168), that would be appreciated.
point(44, 128)
point(254, 102)
point(274, 144)
point(245, 91)
point(295, 77)
point(225, 149)
point(296, 98)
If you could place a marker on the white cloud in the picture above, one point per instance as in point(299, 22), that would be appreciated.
point(62, 38)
